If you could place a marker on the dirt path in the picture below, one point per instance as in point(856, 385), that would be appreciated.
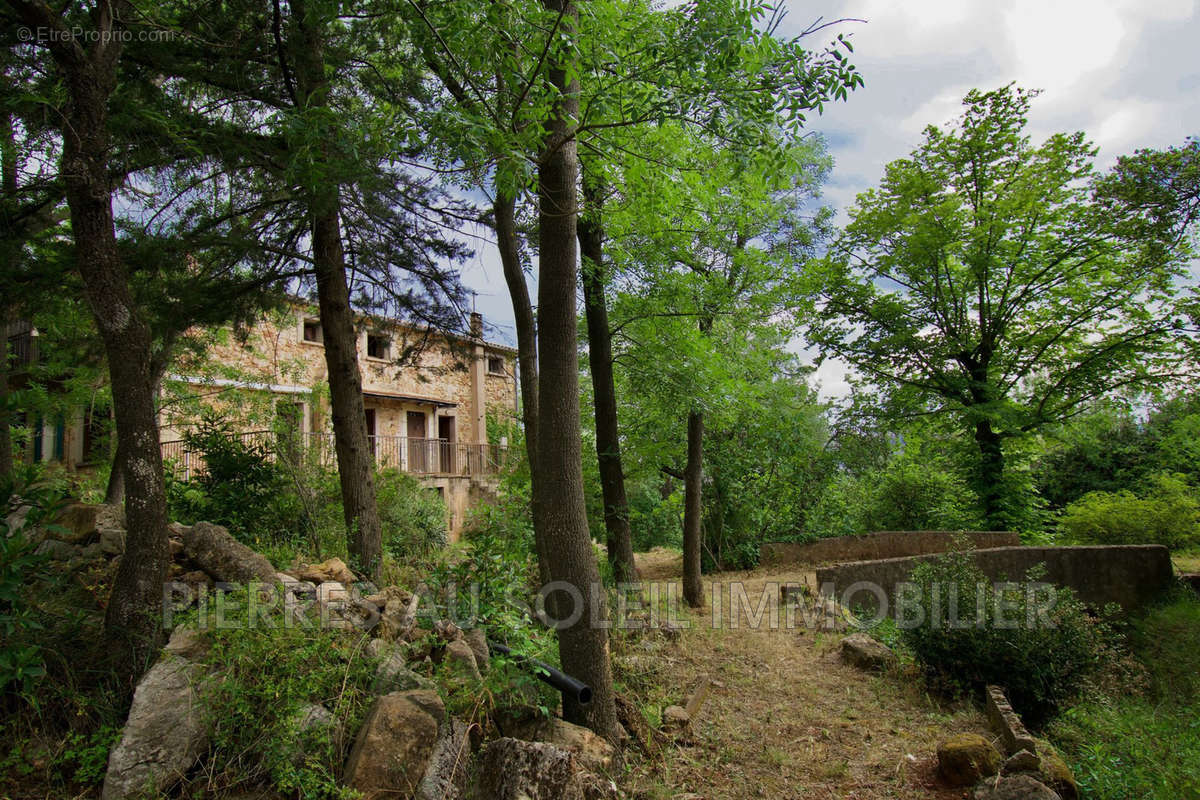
point(784, 718)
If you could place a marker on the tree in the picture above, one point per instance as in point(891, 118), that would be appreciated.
point(988, 278)
point(90, 77)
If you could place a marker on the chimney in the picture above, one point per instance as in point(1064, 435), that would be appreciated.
point(478, 380)
point(476, 325)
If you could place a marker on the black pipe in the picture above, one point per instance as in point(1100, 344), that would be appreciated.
point(571, 688)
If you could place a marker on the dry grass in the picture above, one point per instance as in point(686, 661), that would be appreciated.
point(785, 718)
point(1187, 562)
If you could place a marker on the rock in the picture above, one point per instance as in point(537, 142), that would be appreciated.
point(79, 523)
point(476, 639)
point(309, 719)
point(175, 545)
point(112, 541)
point(459, 658)
point(966, 758)
point(58, 550)
point(16, 521)
point(860, 650)
point(398, 618)
point(676, 718)
point(388, 595)
point(164, 736)
point(447, 631)
point(394, 675)
point(333, 569)
point(511, 769)
point(592, 751)
point(1013, 787)
point(187, 643)
point(1006, 723)
point(92, 551)
point(395, 745)
point(447, 775)
point(1055, 773)
point(1021, 761)
point(223, 557)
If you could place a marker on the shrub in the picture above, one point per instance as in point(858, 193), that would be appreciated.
point(242, 488)
point(269, 673)
point(412, 516)
point(911, 495)
point(1041, 662)
point(1167, 513)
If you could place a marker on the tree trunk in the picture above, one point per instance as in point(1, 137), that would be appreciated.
point(133, 621)
point(990, 477)
point(600, 359)
point(693, 477)
point(510, 258)
point(562, 524)
point(6, 449)
point(356, 465)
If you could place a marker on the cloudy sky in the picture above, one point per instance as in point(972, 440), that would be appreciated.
point(1126, 72)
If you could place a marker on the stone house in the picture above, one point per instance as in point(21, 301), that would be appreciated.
point(428, 398)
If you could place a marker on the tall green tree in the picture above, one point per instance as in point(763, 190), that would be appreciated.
point(990, 278)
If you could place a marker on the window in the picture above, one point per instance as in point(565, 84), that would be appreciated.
point(496, 365)
point(312, 331)
point(378, 345)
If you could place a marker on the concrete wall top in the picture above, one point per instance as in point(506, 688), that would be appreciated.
point(880, 544)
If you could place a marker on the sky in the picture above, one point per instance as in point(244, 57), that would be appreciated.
point(1126, 72)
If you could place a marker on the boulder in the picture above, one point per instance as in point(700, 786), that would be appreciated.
point(308, 719)
point(397, 620)
point(395, 744)
point(460, 659)
point(187, 643)
point(446, 777)
point(593, 752)
point(1021, 761)
point(79, 523)
point(164, 736)
point(226, 559)
point(476, 639)
point(394, 675)
point(860, 650)
point(1055, 773)
point(333, 569)
point(966, 758)
point(58, 550)
point(675, 718)
point(511, 769)
point(112, 541)
point(1013, 787)
point(92, 551)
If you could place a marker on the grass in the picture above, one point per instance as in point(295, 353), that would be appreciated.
point(1187, 561)
point(1144, 745)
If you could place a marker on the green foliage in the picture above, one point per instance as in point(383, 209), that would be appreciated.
point(1168, 512)
point(964, 643)
point(914, 493)
point(1144, 745)
point(948, 286)
point(270, 673)
point(21, 659)
point(412, 516)
point(242, 487)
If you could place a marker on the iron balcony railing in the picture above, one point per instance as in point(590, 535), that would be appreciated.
point(418, 456)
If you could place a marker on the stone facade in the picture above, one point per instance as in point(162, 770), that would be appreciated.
point(428, 396)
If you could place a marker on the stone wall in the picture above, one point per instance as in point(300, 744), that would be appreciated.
point(1130, 575)
point(882, 544)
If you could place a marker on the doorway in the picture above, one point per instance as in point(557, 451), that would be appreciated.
point(418, 445)
point(369, 413)
point(446, 443)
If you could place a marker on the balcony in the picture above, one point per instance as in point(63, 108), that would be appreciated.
point(431, 457)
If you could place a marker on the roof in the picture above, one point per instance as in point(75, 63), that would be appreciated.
point(411, 398)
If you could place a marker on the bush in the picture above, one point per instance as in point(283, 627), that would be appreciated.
point(1167, 513)
point(412, 516)
point(242, 488)
point(912, 495)
point(1144, 745)
point(269, 673)
point(1041, 662)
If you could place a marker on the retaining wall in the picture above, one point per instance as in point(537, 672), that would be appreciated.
point(882, 544)
point(1130, 575)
